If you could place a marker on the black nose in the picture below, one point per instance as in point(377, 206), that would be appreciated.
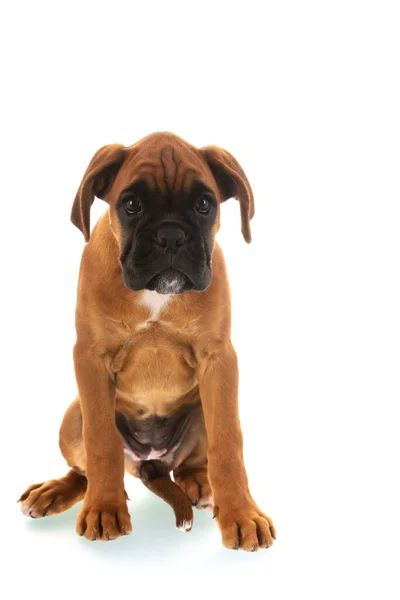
point(170, 238)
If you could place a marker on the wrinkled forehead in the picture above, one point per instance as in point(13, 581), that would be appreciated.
point(166, 169)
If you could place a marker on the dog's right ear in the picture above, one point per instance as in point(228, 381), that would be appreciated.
point(97, 180)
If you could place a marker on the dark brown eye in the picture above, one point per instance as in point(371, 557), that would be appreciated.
point(133, 205)
point(203, 205)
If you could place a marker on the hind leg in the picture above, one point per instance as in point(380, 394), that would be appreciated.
point(57, 495)
point(105, 522)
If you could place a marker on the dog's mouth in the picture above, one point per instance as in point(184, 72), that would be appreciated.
point(170, 281)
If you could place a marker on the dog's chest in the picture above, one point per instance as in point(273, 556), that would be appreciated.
point(156, 366)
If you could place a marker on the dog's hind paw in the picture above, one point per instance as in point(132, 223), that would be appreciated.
point(54, 496)
point(195, 484)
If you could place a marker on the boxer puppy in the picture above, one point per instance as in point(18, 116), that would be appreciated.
point(156, 371)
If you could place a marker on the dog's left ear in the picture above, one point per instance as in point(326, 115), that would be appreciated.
point(97, 180)
point(232, 183)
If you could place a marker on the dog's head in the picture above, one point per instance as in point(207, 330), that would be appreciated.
point(164, 197)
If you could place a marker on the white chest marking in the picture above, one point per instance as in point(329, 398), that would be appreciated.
point(155, 302)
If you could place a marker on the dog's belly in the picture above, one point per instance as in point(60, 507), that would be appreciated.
point(156, 437)
point(157, 444)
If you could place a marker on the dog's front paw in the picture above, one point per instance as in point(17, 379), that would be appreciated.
point(245, 527)
point(103, 521)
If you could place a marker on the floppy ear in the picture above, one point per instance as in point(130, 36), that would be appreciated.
point(232, 183)
point(97, 180)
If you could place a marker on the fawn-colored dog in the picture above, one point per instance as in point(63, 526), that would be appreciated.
point(156, 370)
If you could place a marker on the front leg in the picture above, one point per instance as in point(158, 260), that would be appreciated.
point(243, 525)
point(104, 514)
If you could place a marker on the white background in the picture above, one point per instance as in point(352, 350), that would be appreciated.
point(306, 95)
